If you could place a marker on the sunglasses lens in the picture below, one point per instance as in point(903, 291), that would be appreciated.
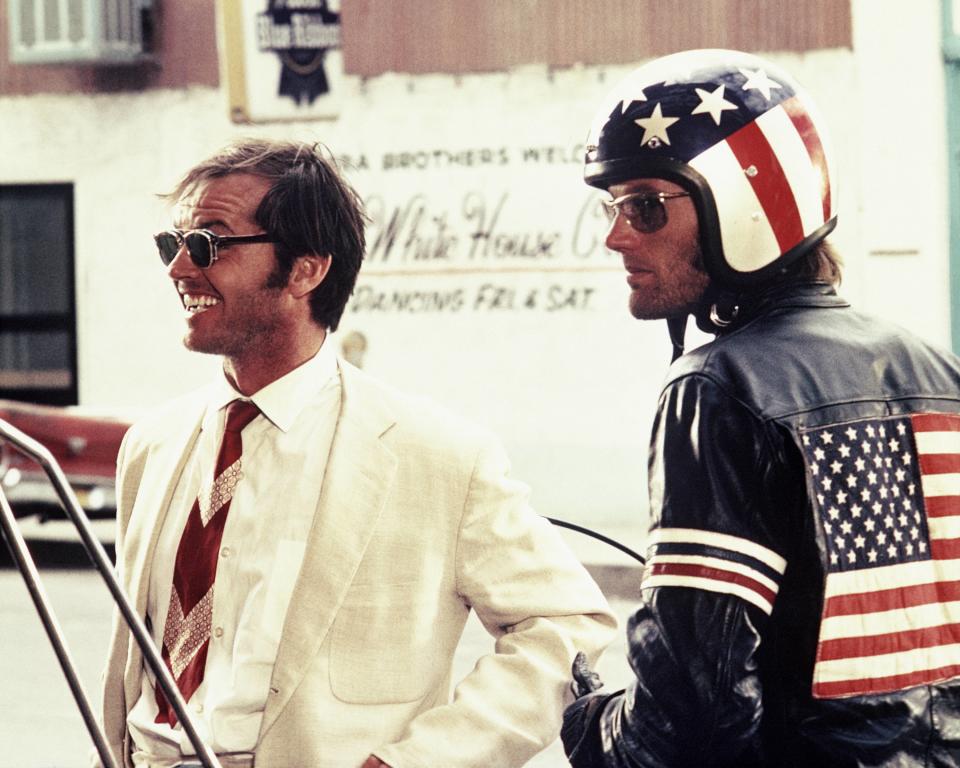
point(199, 248)
point(646, 214)
point(168, 244)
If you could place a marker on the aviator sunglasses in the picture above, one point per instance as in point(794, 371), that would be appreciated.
point(644, 210)
point(202, 244)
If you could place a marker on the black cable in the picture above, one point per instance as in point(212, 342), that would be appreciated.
point(606, 540)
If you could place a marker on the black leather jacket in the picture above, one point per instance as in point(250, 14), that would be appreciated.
point(777, 626)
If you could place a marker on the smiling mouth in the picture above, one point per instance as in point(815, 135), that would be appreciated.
point(196, 304)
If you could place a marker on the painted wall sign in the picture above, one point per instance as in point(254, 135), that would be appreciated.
point(501, 228)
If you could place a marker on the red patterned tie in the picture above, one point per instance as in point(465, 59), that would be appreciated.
point(186, 635)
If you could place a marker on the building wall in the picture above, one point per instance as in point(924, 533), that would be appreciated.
point(486, 170)
point(183, 53)
point(900, 267)
point(462, 36)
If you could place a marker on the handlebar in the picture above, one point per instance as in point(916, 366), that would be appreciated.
point(25, 564)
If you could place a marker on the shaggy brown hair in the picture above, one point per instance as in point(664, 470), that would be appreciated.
point(822, 264)
point(309, 208)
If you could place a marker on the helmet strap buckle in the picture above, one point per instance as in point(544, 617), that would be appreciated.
point(722, 320)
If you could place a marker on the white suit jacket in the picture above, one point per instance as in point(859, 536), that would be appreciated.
point(417, 523)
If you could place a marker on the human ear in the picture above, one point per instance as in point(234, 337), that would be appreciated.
point(307, 273)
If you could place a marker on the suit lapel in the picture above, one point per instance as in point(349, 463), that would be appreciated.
point(359, 472)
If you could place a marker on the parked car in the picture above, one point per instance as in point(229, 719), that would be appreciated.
point(84, 442)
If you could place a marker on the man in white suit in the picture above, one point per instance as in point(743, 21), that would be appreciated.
point(305, 542)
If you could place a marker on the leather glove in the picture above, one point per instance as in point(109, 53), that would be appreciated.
point(581, 720)
point(585, 680)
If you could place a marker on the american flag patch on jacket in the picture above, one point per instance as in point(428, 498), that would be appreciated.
point(716, 562)
point(887, 498)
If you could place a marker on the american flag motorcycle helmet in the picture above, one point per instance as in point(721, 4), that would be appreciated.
point(742, 137)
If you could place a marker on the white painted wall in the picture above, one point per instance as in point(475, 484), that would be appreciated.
point(571, 391)
point(899, 162)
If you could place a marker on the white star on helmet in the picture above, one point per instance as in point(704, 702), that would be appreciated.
point(758, 80)
point(712, 103)
point(629, 93)
point(655, 126)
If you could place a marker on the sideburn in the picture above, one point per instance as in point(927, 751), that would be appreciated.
point(279, 277)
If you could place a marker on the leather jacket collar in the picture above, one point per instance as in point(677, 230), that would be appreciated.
point(721, 312)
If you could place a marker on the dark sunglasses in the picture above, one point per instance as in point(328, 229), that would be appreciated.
point(202, 244)
point(644, 210)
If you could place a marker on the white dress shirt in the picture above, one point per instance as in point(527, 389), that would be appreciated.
point(284, 456)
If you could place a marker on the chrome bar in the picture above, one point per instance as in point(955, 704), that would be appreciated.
point(39, 453)
point(28, 569)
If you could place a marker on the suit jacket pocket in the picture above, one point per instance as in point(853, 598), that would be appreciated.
point(384, 644)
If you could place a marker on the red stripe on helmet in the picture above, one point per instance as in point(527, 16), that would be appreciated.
point(769, 183)
point(811, 140)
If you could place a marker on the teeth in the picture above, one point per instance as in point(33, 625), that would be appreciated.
point(198, 303)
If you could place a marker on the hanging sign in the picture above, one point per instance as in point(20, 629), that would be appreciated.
point(283, 59)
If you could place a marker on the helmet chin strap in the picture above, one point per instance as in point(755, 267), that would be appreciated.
point(677, 327)
point(718, 308)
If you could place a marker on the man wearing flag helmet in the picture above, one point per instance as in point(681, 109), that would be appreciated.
point(801, 601)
